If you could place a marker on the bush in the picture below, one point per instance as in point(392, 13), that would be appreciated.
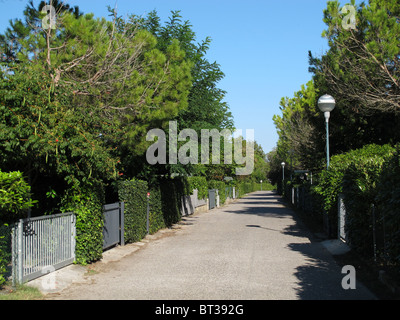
point(199, 183)
point(15, 197)
point(172, 192)
point(86, 201)
point(134, 194)
point(358, 170)
point(5, 256)
point(164, 201)
point(220, 186)
point(388, 204)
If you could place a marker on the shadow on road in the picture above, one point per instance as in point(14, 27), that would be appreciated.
point(320, 278)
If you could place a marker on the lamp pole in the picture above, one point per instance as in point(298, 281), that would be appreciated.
point(326, 104)
point(283, 171)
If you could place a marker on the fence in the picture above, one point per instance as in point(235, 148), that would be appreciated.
point(42, 244)
point(212, 196)
point(113, 230)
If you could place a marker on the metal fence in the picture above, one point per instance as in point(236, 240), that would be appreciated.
point(42, 244)
point(113, 230)
point(212, 196)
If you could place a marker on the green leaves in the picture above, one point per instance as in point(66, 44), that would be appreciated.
point(15, 197)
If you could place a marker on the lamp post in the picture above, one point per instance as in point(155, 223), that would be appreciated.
point(261, 184)
point(283, 171)
point(326, 104)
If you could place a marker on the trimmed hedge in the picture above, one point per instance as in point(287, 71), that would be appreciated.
point(220, 186)
point(86, 201)
point(165, 205)
point(199, 183)
point(5, 255)
point(134, 194)
point(388, 204)
point(353, 173)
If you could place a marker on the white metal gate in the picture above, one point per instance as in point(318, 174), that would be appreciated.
point(42, 244)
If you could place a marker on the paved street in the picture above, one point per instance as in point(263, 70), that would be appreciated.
point(251, 249)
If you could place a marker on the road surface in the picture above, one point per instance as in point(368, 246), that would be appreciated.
point(254, 248)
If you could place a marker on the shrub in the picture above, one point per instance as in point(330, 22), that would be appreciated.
point(157, 220)
point(388, 203)
point(134, 194)
point(220, 186)
point(360, 168)
point(15, 197)
point(86, 201)
point(199, 183)
point(172, 192)
point(5, 235)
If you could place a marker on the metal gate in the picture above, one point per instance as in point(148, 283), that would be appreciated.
point(113, 230)
point(212, 197)
point(42, 244)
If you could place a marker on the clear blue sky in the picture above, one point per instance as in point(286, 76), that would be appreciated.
point(261, 45)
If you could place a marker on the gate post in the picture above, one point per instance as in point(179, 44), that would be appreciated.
point(17, 253)
point(122, 223)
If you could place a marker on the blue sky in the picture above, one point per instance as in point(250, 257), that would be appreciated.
point(261, 45)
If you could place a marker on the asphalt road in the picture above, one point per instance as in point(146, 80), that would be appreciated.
point(254, 248)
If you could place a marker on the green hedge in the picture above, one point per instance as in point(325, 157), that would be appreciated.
point(86, 201)
point(357, 170)
point(243, 188)
point(164, 201)
point(134, 194)
point(220, 186)
point(15, 200)
point(199, 183)
point(5, 255)
point(388, 204)
point(14, 196)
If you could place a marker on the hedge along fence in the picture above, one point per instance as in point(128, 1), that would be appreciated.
point(388, 204)
point(199, 183)
point(354, 174)
point(86, 201)
point(134, 194)
point(165, 205)
point(15, 200)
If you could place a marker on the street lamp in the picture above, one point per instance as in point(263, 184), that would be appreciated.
point(283, 171)
point(326, 104)
point(261, 184)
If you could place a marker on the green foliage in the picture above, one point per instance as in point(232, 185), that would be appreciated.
point(199, 183)
point(157, 220)
point(86, 201)
point(5, 255)
point(165, 205)
point(245, 187)
point(355, 174)
point(15, 197)
point(172, 191)
point(388, 203)
point(134, 194)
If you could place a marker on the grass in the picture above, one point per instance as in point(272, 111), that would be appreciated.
point(21, 292)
